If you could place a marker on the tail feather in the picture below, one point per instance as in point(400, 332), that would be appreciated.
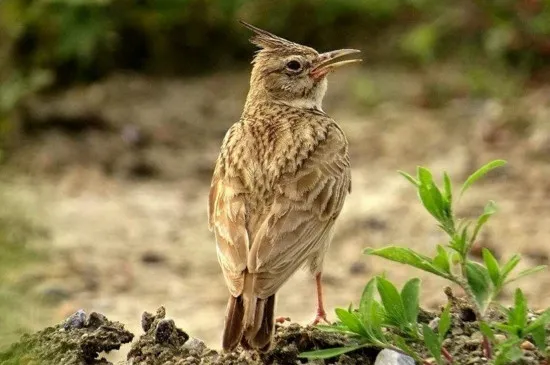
point(249, 320)
point(261, 335)
point(233, 331)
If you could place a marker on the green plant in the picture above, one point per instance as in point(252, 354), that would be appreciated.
point(392, 322)
point(517, 329)
point(385, 323)
point(481, 282)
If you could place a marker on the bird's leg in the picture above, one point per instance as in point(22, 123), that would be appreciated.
point(321, 314)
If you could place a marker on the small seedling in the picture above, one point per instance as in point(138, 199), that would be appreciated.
point(434, 341)
point(517, 329)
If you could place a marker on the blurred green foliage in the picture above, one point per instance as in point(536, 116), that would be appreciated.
point(82, 39)
point(57, 42)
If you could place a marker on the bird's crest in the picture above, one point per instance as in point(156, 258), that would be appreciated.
point(264, 39)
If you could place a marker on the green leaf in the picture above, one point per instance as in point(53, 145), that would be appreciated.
point(335, 328)
point(424, 176)
point(482, 171)
point(444, 322)
point(392, 302)
point(509, 266)
point(517, 316)
point(448, 191)
point(487, 331)
point(512, 330)
point(410, 296)
point(409, 177)
point(429, 194)
point(350, 321)
point(542, 320)
point(509, 351)
point(409, 257)
point(441, 260)
point(492, 266)
point(488, 211)
point(480, 283)
point(328, 353)
point(432, 343)
point(373, 322)
point(366, 298)
point(372, 312)
point(539, 336)
point(459, 241)
point(527, 272)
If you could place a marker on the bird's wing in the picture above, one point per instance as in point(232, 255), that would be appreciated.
point(302, 215)
point(227, 218)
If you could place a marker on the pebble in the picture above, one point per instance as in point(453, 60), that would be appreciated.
point(164, 329)
point(390, 357)
point(75, 320)
point(457, 331)
point(500, 337)
point(151, 257)
point(526, 345)
point(477, 336)
point(434, 324)
point(357, 268)
point(195, 346)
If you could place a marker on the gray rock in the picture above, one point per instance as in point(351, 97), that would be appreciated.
point(195, 346)
point(390, 357)
point(434, 323)
point(76, 320)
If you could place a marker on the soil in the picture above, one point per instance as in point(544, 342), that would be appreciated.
point(80, 340)
point(117, 173)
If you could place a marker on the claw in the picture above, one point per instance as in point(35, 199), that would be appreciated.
point(321, 317)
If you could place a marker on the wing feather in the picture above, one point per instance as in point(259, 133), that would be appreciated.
point(302, 215)
point(227, 218)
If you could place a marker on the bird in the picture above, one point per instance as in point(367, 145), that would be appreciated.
point(278, 186)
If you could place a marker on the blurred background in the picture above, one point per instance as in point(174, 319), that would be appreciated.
point(112, 113)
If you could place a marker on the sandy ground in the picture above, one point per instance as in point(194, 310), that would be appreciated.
point(118, 173)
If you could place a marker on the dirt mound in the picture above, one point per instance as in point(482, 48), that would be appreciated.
point(78, 340)
point(164, 343)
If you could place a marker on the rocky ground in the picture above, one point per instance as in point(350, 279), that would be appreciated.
point(117, 175)
point(82, 339)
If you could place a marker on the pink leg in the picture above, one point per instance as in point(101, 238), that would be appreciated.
point(282, 319)
point(321, 314)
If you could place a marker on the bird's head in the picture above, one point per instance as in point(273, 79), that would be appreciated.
point(289, 73)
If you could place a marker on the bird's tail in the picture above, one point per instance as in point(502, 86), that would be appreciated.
point(249, 320)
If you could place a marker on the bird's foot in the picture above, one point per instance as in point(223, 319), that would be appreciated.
point(282, 319)
point(320, 317)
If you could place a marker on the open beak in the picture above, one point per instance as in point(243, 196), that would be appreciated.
point(328, 61)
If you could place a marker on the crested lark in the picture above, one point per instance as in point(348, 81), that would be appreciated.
point(279, 184)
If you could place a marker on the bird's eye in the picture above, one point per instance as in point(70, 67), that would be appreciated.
point(293, 65)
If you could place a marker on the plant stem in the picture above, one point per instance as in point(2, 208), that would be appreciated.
point(487, 348)
point(447, 355)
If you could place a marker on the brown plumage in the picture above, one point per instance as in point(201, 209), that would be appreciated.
point(279, 184)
